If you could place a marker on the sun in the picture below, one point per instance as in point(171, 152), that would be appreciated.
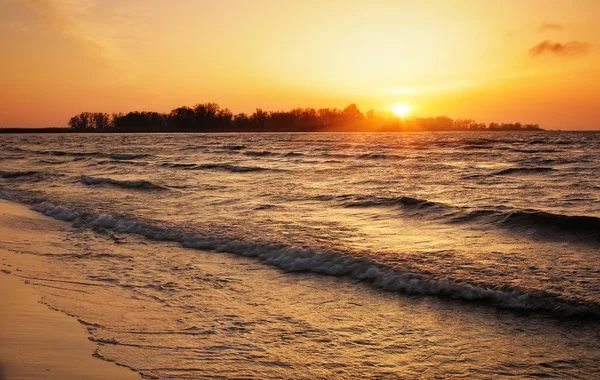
point(401, 110)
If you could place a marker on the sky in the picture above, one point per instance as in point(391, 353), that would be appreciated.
point(535, 61)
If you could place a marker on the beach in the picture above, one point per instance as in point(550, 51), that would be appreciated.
point(37, 342)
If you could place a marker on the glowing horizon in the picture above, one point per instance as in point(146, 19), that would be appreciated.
point(533, 63)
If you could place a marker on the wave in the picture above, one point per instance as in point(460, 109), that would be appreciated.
point(214, 166)
point(369, 201)
point(14, 149)
point(336, 155)
point(525, 170)
point(122, 162)
point(13, 158)
point(514, 171)
point(61, 153)
point(316, 260)
point(579, 224)
point(256, 153)
point(127, 156)
point(229, 168)
point(234, 147)
point(265, 207)
point(18, 174)
point(582, 228)
point(362, 156)
point(263, 153)
point(544, 224)
point(126, 184)
point(57, 212)
point(475, 144)
point(50, 162)
point(553, 161)
point(552, 142)
point(376, 156)
point(178, 165)
point(531, 151)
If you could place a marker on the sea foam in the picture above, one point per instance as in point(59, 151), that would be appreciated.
point(316, 260)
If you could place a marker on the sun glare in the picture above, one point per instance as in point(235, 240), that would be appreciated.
point(401, 110)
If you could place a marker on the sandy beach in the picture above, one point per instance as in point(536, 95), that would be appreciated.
point(37, 342)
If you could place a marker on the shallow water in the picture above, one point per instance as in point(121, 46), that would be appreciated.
point(459, 253)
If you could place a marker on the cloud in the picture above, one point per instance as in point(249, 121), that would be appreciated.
point(92, 24)
point(67, 18)
point(571, 48)
point(548, 26)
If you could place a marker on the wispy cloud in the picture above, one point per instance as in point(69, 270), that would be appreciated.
point(549, 26)
point(66, 18)
point(571, 48)
point(87, 23)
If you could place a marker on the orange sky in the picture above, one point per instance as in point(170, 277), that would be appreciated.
point(485, 60)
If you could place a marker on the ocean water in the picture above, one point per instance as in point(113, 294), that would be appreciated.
point(322, 255)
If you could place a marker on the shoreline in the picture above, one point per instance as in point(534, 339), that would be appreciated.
point(38, 342)
point(239, 318)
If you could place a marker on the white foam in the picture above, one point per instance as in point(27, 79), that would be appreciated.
point(311, 259)
point(57, 212)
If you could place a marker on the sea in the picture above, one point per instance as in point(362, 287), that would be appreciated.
point(320, 255)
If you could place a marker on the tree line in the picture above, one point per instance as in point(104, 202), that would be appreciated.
point(210, 117)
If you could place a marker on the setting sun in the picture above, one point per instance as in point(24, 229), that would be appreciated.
point(401, 110)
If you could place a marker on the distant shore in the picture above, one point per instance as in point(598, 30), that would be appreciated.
point(211, 118)
point(112, 131)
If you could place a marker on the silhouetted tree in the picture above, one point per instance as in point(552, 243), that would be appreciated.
point(211, 118)
point(102, 121)
point(352, 113)
point(90, 120)
point(78, 122)
point(182, 118)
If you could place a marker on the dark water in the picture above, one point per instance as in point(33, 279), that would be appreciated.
point(470, 224)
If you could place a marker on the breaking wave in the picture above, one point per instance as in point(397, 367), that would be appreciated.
point(316, 260)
